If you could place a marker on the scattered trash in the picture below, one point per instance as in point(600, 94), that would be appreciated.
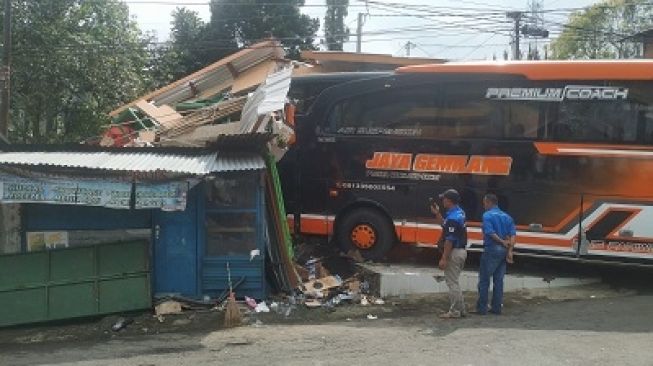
point(251, 303)
point(319, 285)
point(311, 266)
point(364, 301)
point(372, 317)
point(274, 307)
point(379, 302)
point(312, 303)
point(592, 296)
point(262, 307)
point(121, 324)
point(168, 307)
point(160, 318)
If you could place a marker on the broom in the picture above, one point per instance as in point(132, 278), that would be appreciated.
point(232, 316)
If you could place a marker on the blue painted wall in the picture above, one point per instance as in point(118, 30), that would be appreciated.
point(176, 255)
point(178, 252)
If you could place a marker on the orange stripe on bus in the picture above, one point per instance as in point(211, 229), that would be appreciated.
point(547, 70)
point(412, 234)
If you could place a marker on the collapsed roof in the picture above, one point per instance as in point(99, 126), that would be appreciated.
point(243, 93)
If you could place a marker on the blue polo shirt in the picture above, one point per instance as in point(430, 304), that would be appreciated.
point(497, 222)
point(454, 229)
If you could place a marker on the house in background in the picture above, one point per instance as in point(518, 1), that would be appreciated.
point(645, 42)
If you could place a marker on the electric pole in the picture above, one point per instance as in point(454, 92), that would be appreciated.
point(359, 32)
point(6, 71)
point(408, 46)
point(516, 16)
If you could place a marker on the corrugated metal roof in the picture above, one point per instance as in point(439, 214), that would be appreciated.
point(138, 161)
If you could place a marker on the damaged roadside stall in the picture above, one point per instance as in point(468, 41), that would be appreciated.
point(179, 197)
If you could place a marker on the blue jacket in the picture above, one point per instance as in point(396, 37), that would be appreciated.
point(454, 228)
point(497, 222)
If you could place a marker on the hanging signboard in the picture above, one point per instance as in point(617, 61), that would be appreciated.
point(105, 194)
point(169, 196)
point(166, 196)
point(23, 190)
point(88, 193)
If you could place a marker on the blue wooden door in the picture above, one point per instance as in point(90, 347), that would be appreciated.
point(233, 233)
point(176, 250)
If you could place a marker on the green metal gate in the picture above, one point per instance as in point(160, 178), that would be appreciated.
point(75, 282)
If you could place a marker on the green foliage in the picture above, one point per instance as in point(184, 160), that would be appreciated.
point(73, 62)
point(601, 31)
point(237, 23)
point(76, 60)
point(336, 33)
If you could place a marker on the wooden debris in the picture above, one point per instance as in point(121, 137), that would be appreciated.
point(321, 284)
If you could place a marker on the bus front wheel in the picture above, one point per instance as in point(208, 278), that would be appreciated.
point(366, 230)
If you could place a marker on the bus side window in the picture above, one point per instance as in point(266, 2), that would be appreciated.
point(521, 120)
point(389, 109)
point(466, 113)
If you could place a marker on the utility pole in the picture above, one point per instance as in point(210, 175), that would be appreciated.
point(359, 32)
point(6, 71)
point(516, 16)
point(408, 46)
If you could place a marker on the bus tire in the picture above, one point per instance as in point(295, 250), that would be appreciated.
point(366, 230)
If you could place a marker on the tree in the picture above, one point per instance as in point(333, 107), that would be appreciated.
point(336, 33)
point(73, 62)
point(187, 28)
point(602, 30)
point(238, 23)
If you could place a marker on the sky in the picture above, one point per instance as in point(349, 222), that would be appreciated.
point(450, 29)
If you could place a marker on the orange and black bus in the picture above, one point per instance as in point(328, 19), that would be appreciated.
point(566, 145)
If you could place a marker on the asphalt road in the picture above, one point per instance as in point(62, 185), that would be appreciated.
point(604, 330)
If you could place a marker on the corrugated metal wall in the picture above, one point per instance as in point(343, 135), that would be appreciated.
point(74, 282)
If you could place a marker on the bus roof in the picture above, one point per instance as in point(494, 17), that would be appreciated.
point(547, 70)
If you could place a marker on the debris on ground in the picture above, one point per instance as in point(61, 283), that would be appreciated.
point(372, 317)
point(262, 307)
point(168, 307)
point(251, 303)
point(121, 324)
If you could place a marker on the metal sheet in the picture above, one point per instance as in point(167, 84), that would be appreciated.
point(46, 285)
point(138, 161)
point(267, 98)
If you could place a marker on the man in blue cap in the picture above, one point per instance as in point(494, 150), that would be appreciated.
point(498, 240)
point(454, 236)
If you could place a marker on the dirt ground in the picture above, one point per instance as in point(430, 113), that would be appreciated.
point(591, 325)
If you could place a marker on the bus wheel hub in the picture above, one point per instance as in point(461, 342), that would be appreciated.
point(363, 236)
